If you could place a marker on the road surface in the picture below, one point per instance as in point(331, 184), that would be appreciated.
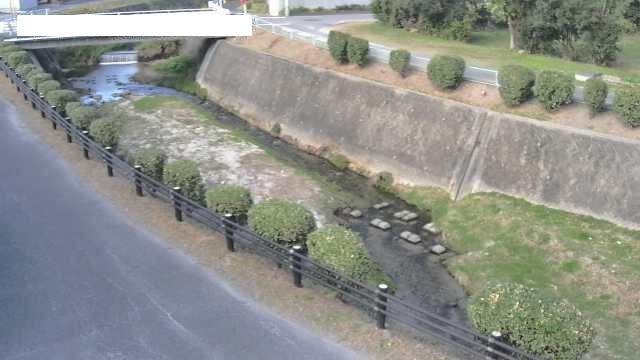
point(77, 281)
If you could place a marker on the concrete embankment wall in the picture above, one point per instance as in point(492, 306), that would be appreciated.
point(425, 140)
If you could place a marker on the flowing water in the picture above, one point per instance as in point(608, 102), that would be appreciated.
point(420, 277)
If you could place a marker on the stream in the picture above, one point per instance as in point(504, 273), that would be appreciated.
point(420, 276)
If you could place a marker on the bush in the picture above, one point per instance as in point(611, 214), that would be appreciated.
point(47, 86)
point(82, 116)
point(446, 72)
point(554, 89)
point(36, 77)
point(227, 199)
point(399, 61)
point(357, 50)
point(595, 94)
point(516, 84)
point(151, 162)
point(25, 69)
point(60, 98)
point(186, 175)
point(337, 43)
point(72, 105)
point(339, 161)
point(106, 131)
point(627, 105)
point(281, 221)
point(18, 58)
point(384, 181)
point(542, 326)
point(8, 49)
point(179, 65)
point(342, 250)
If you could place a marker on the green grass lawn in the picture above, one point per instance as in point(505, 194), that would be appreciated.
point(491, 49)
point(592, 263)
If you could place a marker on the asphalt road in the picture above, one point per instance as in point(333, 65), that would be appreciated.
point(77, 281)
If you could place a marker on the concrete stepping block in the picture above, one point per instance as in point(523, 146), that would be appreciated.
point(346, 211)
point(382, 205)
point(401, 214)
point(356, 213)
point(410, 217)
point(432, 229)
point(410, 237)
point(438, 249)
point(380, 224)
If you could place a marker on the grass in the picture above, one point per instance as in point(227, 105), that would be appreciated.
point(592, 263)
point(133, 5)
point(491, 49)
point(156, 103)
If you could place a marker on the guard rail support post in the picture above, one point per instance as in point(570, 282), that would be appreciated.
point(68, 130)
point(11, 77)
point(18, 82)
point(42, 114)
point(177, 205)
point(381, 306)
point(33, 103)
point(24, 93)
point(296, 265)
point(85, 144)
point(229, 228)
point(54, 124)
point(137, 179)
point(495, 337)
point(107, 160)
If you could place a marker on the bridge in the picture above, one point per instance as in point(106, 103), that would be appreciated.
point(43, 42)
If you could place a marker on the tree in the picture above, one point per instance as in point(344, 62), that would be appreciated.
point(514, 12)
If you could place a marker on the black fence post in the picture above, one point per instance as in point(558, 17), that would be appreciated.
point(381, 306)
point(296, 265)
point(85, 144)
point(54, 124)
point(137, 179)
point(42, 114)
point(11, 77)
point(229, 228)
point(495, 337)
point(107, 160)
point(24, 93)
point(177, 204)
point(33, 103)
point(68, 130)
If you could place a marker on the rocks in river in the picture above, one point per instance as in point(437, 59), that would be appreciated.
point(400, 214)
point(380, 224)
point(382, 205)
point(410, 237)
point(346, 211)
point(438, 249)
point(405, 215)
point(356, 214)
point(432, 229)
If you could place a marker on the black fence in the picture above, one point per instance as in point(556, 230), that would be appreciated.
point(377, 302)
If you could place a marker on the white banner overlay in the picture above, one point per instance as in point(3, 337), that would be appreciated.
point(187, 24)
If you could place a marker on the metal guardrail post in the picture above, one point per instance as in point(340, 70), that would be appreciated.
point(42, 114)
point(24, 93)
point(54, 124)
point(68, 129)
point(381, 306)
point(33, 103)
point(495, 337)
point(229, 228)
point(17, 82)
point(296, 265)
point(107, 160)
point(177, 205)
point(137, 180)
point(85, 145)
point(11, 77)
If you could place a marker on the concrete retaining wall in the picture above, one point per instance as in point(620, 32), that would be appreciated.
point(424, 140)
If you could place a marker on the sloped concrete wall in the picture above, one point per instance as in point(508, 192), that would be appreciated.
point(424, 140)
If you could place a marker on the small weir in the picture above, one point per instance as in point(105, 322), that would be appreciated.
point(119, 58)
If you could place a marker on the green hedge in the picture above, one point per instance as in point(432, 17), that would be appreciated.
point(554, 89)
point(25, 69)
point(342, 250)
point(46, 86)
point(281, 221)
point(516, 84)
point(72, 105)
point(151, 161)
point(36, 77)
point(8, 49)
point(446, 72)
point(186, 175)
point(595, 94)
point(627, 106)
point(18, 58)
point(60, 98)
point(337, 43)
point(81, 116)
point(228, 199)
point(106, 131)
point(537, 324)
point(399, 61)
point(357, 50)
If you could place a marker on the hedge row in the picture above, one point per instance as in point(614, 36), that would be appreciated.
point(345, 48)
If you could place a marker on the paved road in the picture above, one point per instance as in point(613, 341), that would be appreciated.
point(78, 282)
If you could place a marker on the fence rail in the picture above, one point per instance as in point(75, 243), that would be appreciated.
point(377, 302)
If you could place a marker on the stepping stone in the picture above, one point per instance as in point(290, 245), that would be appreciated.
point(401, 214)
point(356, 213)
point(375, 222)
point(438, 249)
point(410, 217)
point(380, 224)
point(410, 237)
point(346, 211)
point(405, 234)
point(432, 229)
point(382, 205)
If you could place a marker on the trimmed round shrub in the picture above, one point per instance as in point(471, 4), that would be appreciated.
point(228, 199)
point(151, 162)
point(516, 84)
point(18, 58)
point(542, 326)
point(337, 43)
point(106, 131)
point(399, 61)
point(627, 106)
point(357, 50)
point(595, 94)
point(25, 69)
point(554, 89)
point(446, 72)
point(281, 221)
point(60, 98)
point(81, 116)
point(36, 77)
point(342, 250)
point(186, 175)
point(46, 86)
